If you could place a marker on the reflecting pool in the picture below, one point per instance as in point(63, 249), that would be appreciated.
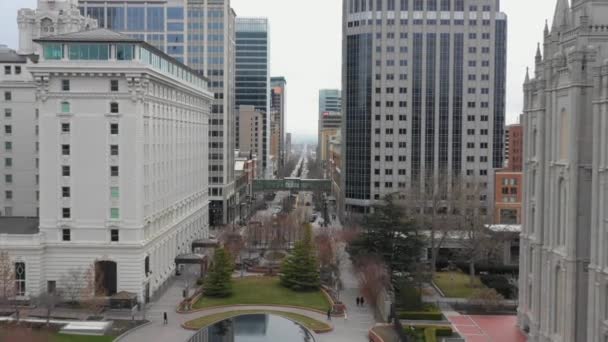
point(254, 328)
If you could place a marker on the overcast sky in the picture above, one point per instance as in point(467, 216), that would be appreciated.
point(305, 47)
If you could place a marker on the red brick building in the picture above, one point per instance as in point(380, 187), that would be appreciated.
point(508, 182)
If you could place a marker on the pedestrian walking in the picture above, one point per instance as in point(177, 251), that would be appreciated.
point(165, 321)
point(329, 314)
point(358, 301)
point(362, 301)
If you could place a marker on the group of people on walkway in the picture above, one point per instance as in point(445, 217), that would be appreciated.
point(360, 301)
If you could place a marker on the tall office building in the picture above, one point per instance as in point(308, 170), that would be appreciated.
point(563, 282)
point(424, 95)
point(200, 34)
point(277, 119)
point(330, 101)
point(253, 75)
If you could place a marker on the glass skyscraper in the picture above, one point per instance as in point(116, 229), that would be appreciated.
point(424, 94)
point(253, 74)
point(199, 33)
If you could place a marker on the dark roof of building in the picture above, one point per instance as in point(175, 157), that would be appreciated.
point(94, 35)
point(19, 225)
point(10, 56)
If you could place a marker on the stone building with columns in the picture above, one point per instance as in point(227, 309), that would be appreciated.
point(564, 243)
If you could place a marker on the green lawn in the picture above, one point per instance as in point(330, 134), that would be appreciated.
point(456, 284)
point(308, 322)
point(81, 338)
point(266, 291)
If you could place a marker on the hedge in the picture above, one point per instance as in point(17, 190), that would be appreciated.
point(487, 268)
point(420, 315)
point(432, 332)
point(500, 283)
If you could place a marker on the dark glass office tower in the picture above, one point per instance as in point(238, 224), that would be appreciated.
point(424, 96)
point(253, 73)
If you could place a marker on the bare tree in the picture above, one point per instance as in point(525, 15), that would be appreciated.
point(72, 283)
point(93, 292)
point(8, 284)
point(47, 301)
point(476, 241)
point(373, 279)
point(432, 208)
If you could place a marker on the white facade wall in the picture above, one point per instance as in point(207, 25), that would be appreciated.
point(22, 123)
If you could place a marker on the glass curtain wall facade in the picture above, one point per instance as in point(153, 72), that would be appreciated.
point(199, 33)
point(253, 73)
point(433, 114)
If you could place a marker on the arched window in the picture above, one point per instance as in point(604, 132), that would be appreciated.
point(561, 212)
point(46, 26)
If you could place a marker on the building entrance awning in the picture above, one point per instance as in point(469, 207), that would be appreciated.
point(191, 258)
point(205, 243)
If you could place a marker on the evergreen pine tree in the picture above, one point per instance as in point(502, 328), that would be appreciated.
point(300, 270)
point(219, 279)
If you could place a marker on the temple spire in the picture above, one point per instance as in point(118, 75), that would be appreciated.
point(527, 74)
point(562, 13)
point(546, 27)
point(539, 56)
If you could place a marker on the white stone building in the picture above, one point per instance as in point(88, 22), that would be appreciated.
point(123, 164)
point(564, 260)
point(19, 153)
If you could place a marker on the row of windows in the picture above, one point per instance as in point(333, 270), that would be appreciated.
point(66, 234)
point(66, 85)
point(8, 69)
point(356, 6)
point(417, 22)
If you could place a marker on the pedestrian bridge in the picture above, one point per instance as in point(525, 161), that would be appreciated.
point(288, 184)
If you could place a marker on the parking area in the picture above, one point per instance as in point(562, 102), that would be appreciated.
point(487, 328)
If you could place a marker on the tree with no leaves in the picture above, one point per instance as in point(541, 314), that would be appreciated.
point(93, 293)
point(373, 279)
point(72, 283)
point(476, 241)
point(8, 288)
point(47, 301)
point(432, 210)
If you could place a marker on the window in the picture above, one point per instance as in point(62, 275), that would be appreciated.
point(113, 85)
point(8, 146)
point(8, 162)
point(113, 128)
point(20, 278)
point(65, 170)
point(66, 235)
point(65, 150)
point(65, 192)
point(114, 235)
point(8, 194)
point(66, 213)
point(114, 150)
point(8, 96)
point(114, 192)
point(8, 112)
point(83, 51)
point(8, 129)
point(7, 69)
point(114, 171)
point(125, 52)
point(114, 107)
point(8, 211)
point(114, 213)
point(8, 179)
point(65, 85)
point(65, 107)
point(51, 286)
point(17, 70)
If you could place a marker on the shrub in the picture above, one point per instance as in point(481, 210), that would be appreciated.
point(409, 298)
point(487, 299)
point(426, 332)
point(500, 283)
point(420, 315)
point(430, 335)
